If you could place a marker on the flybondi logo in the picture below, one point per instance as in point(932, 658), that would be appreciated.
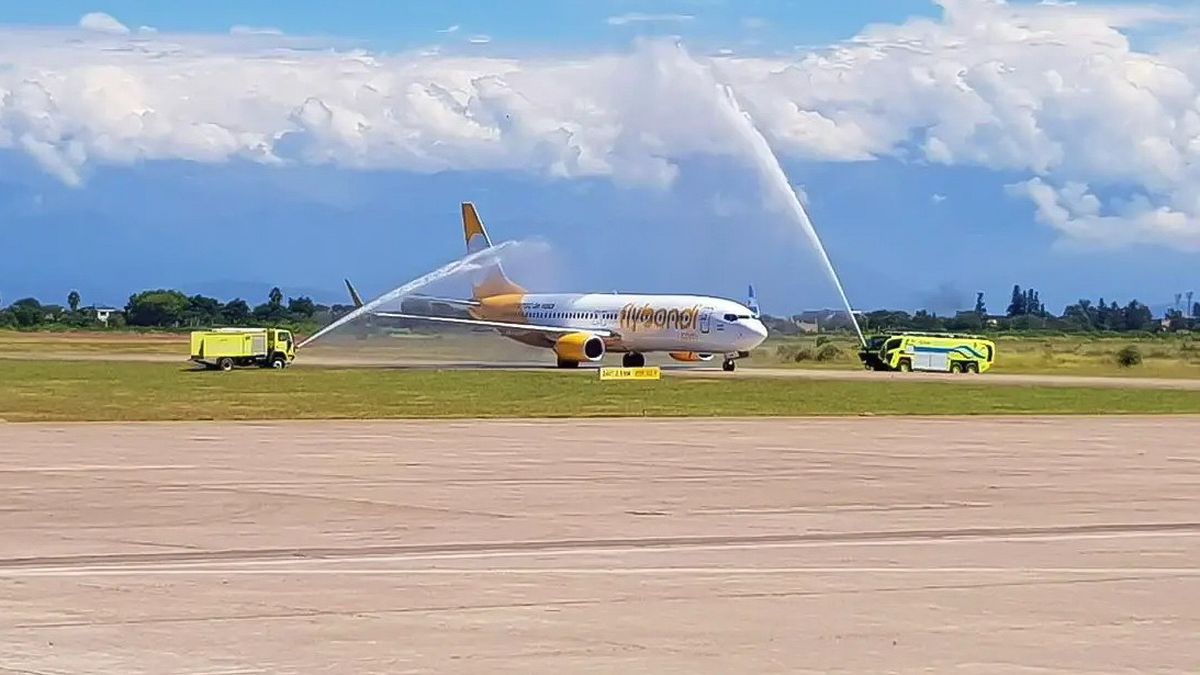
point(633, 317)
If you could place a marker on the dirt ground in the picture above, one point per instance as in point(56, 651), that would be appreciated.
point(862, 545)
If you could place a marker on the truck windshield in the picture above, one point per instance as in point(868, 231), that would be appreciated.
point(891, 344)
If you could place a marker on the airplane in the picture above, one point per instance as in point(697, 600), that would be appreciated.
point(582, 328)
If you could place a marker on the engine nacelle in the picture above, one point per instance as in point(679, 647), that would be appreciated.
point(579, 347)
point(690, 357)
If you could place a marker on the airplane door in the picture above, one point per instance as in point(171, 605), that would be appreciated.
point(705, 319)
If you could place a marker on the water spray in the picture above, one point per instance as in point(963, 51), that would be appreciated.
point(776, 180)
point(464, 264)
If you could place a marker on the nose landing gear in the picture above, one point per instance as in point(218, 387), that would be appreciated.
point(730, 362)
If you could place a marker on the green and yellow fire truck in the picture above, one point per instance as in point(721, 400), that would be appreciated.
point(936, 352)
point(224, 348)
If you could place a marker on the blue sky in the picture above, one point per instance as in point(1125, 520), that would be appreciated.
point(219, 163)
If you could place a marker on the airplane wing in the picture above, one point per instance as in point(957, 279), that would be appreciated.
point(556, 330)
point(446, 301)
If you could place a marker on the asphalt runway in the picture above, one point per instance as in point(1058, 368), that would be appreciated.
point(1048, 545)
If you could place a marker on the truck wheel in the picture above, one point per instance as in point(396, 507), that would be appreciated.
point(225, 364)
point(905, 366)
point(278, 362)
point(973, 368)
point(956, 367)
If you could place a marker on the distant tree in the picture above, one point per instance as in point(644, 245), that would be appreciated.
point(1016, 307)
point(1137, 316)
point(1176, 320)
point(980, 308)
point(1081, 315)
point(1189, 305)
point(203, 310)
point(161, 307)
point(275, 297)
point(235, 312)
point(302, 306)
point(1196, 310)
point(73, 300)
point(7, 320)
point(27, 312)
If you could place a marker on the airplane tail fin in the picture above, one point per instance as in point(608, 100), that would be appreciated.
point(491, 279)
point(354, 296)
point(752, 303)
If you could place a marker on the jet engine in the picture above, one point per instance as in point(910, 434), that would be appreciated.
point(690, 357)
point(579, 347)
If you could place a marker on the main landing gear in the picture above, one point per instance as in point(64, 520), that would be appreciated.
point(633, 360)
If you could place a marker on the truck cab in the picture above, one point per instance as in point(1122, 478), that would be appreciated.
point(283, 343)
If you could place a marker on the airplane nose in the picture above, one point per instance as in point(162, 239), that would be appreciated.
point(756, 332)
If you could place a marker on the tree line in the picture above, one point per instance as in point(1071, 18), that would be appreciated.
point(167, 308)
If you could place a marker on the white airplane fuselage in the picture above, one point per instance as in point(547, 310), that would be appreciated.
point(635, 322)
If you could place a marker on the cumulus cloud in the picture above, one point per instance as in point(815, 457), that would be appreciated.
point(102, 23)
point(1054, 91)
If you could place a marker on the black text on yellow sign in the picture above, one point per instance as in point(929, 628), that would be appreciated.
point(650, 373)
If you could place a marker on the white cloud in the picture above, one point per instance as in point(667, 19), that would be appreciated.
point(450, 29)
point(102, 23)
point(1055, 92)
point(937, 198)
point(1080, 215)
point(638, 17)
point(479, 39)
point(254, 30)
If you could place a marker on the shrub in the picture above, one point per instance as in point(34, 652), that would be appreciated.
point(1129, 356)
point(786, 352)
point(823, 339)
point(829, 352)
point(805, 354)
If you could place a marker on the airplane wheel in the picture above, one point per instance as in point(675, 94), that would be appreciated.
point(728, 365)
point(568, 364)
point(633, 360)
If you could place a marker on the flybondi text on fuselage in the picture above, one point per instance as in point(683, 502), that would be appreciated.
point(633, 317)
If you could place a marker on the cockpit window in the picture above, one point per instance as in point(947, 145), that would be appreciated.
point(734, 317)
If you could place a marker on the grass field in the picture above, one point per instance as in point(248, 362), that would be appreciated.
point(66, 391)
point(1167, 355)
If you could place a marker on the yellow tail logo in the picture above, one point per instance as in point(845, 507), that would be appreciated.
point(491, 280)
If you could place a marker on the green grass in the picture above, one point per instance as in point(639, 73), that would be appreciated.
point(1165, 355)
point(66, 391)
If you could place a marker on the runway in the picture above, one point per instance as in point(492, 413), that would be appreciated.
point(968, 545)
point(330, 359)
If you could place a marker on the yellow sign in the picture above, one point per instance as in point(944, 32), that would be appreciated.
point(652, 373)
